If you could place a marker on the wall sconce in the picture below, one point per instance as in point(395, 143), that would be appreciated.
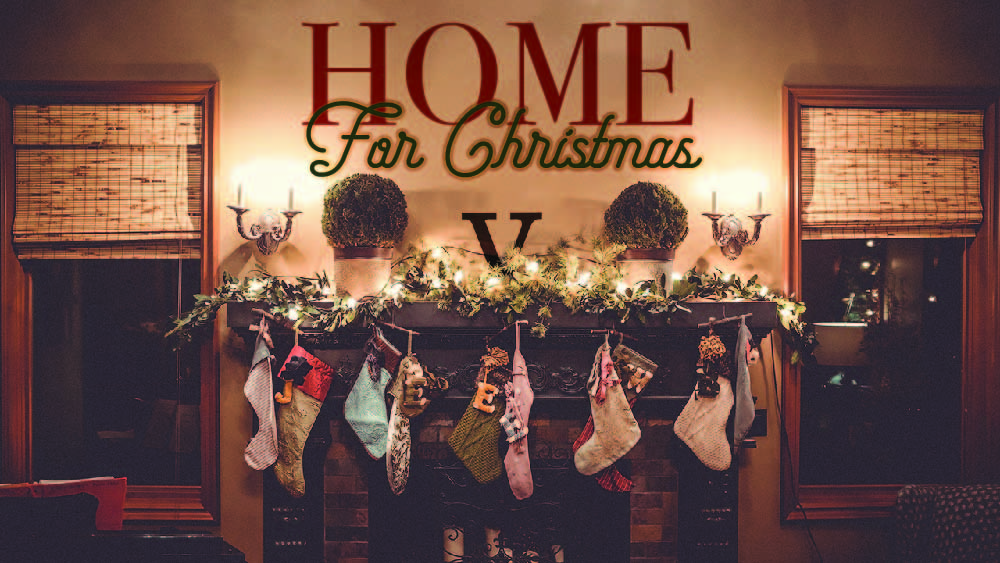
point(268, 230)
point(728, 231)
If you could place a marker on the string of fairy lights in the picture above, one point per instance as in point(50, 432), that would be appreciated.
point(584, 280)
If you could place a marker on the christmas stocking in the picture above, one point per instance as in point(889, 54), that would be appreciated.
point(615, 429)
point(364, 408)
point(476, 437)
point(262, 451)
point(634, 369)
point(609, 478)
point(515, 424)
point(639, 370)
point(397, 460)
point(312, 380)
point(702, 426)
point(743, 411)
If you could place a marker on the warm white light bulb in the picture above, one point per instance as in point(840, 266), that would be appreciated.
point(584, 278)
point(492, 282)
point(676, 276)
point(869, 243)
point(293, 313)
point(621, 287)
point(436, 253)
point(255, 286)
point(865, 265)
point(763, 291)
point(459, 276)
point(531, 267)
point(351, 302)
point(932, 298)
point(436, 283)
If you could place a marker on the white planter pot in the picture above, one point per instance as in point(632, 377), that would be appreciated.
point(361, 270)
point(640, 264)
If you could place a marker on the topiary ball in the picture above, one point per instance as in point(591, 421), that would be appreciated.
point(364, 210)
point(646, 215)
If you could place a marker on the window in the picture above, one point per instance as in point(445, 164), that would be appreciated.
point(106, 217)
point(893, 230)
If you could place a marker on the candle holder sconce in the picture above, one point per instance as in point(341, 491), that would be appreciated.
point(268, 231)
point(729, 234)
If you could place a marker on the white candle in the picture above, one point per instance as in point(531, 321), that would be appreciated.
point(713, 201)
point(760, 202)
point(291, 198)
point(239, 195)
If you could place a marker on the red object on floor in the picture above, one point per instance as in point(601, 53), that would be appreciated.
point(110, 495)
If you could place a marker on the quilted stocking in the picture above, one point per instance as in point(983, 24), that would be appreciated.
point(397, 460)
point(296, 418)
point(364, 408)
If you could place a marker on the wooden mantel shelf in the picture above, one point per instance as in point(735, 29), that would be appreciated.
point(436, 324)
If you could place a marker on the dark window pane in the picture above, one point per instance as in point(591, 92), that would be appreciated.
point(882, 403)
point(109, 396)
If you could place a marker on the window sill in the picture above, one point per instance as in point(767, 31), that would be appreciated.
point(841, 502)
point(149, 503)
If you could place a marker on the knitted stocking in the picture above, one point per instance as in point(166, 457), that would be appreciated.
point(615, 428)
point(515, 423)
point(743, 409)
point(296, 418)
point(702, 426)
point(475, 438)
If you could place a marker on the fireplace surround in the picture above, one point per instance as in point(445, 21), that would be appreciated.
point(678, 511)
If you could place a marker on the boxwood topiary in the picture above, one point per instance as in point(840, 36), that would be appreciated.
point(364, 210)
point(646, 215)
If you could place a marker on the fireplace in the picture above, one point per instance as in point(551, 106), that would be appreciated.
point(678, 510)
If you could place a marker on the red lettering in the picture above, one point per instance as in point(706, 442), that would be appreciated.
point(554, 97)
point(634, 72)
point(321, 68)
point(488, 72)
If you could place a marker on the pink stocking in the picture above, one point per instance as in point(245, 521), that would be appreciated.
point(519, 401)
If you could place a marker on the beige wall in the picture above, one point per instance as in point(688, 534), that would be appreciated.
point(741, 54)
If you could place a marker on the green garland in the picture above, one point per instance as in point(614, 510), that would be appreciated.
point(457, 280)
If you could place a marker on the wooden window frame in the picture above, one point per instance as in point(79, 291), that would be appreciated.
point(143, 503)
point(980, 421)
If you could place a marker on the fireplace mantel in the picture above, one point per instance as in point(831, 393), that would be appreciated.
point(440, 328)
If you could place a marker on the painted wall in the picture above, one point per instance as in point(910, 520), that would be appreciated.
point(741, 54)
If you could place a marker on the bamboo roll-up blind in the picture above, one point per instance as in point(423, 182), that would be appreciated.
point(108, 181)
point(890, 172)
